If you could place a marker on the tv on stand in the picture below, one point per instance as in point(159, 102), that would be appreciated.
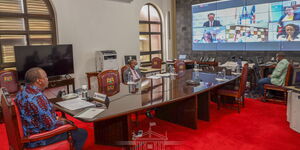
point(56, 60)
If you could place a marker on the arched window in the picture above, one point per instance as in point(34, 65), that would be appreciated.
point(150, 33)
point(24, 22)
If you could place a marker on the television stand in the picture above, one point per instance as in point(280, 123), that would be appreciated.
point(62, 82)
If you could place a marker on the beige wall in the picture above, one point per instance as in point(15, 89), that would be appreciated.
point(92, 25)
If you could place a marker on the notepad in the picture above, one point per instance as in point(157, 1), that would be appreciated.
point(89, 113)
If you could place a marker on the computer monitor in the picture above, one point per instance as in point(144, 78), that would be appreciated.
point(182, 57)
point(296, 76)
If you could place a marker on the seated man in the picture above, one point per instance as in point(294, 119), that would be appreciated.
point(134, 70)
point(278, 75)
point(38, 114)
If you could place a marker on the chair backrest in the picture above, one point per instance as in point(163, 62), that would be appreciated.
point(243, 80)
point(11, 118)
point(156, 62)
point(179, 66)
point(109, 82)
point(8, 79)
point(288, 75)
point(122, 73)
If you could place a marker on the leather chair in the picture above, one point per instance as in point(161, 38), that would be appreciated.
point(276, 88)
point(122, 73)
point(237, 94)
point(179, 66)
point(14, 130)
point(8, 79)
point(109, 82)
point(156, 62)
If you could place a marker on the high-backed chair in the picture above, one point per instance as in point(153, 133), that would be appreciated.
point(15, 135)
point(179, 66)
point(122, 73)
point(156, 62)
point(8, 79)
point(237, 94)
point(268, 87)
point(109, 82)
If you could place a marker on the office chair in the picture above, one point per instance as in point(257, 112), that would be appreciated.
point(109, 82)
point(8, 79)
point(237, 94)
point(272, 87)
point(156, 62)
point(15, 134)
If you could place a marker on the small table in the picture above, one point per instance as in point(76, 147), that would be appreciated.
point(62, 82)
point(89, 75)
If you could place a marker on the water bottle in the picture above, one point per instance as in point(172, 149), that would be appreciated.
point(84, 94)
point(239, 64)
point(130, 78)
point(171, 69)
point(224, 73)
point(196, 66)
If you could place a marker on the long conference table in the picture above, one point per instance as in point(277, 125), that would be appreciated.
point(175, 101)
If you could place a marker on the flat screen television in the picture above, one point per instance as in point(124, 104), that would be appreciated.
point(246, 25)
point(54, 59)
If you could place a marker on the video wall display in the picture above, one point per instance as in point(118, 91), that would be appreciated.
point(251, 25)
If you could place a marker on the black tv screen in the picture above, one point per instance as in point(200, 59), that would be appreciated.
point(55, 60)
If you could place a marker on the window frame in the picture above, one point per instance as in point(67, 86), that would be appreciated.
point(149, 33)
point(26, 32)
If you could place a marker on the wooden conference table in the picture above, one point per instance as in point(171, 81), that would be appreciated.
point(176, 101)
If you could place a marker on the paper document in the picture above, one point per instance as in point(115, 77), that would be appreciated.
point(153, 77)
point(163, 74)
point(89, 113)
point(75, 104)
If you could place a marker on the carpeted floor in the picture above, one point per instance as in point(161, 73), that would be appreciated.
point(259, 126)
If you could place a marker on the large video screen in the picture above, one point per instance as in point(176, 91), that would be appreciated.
point(246, 25)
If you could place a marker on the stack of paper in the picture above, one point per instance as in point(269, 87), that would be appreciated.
point(89, 113)
point(75, 104)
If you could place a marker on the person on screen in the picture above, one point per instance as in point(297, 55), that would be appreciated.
point(211, 21)
point(278, 75)
point(38, 114)
point(290, 33)
point(207, 38)
point(134, 70)
point(289, 15)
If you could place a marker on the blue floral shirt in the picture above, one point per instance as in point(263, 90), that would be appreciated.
point(36, 112)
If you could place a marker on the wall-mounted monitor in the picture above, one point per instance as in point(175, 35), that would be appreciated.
point(247, 25)
point(55, 60)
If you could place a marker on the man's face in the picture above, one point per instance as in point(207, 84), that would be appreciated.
point(211, 17)
point(133, 64)
point(43, 79)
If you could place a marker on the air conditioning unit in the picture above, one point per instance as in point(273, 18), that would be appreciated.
point(125, 1)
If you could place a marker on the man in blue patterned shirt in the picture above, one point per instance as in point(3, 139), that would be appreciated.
point(38, 114)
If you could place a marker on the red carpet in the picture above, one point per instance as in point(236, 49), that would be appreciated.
point(259, 126)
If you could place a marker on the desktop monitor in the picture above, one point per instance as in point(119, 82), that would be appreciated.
point(296, 76)
point(182, 57)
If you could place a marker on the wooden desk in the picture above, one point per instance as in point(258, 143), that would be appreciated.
point(62, 82)
point(176, 101)
point(89, 75)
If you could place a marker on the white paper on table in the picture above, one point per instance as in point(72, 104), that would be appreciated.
point(89, 113)
point(163, 74)
point(75, 104)
point(153, 77)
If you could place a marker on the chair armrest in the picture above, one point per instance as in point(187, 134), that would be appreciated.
point(48, 134)
point(273, 87)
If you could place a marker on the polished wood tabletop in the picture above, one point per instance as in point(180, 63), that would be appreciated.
point(152, 93)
